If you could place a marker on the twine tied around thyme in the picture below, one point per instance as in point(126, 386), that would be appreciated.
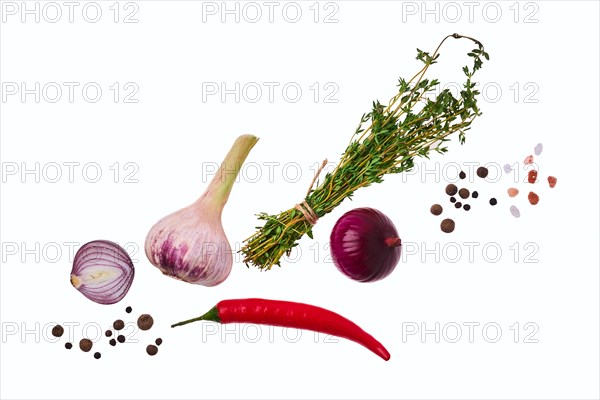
point(308, 212)
point(304, 207)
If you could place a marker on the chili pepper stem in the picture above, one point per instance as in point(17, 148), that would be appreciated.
point(212, 315)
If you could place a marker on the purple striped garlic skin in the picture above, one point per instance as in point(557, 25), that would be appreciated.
point(190, 245)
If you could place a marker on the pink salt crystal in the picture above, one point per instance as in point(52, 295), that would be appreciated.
point(515, 211)
point(528, 160)
point(512, 192)
point(533, 198)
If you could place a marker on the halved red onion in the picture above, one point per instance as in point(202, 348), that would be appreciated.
point(102, 271)
point(365, 245)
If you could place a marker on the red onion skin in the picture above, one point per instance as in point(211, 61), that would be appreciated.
point(365, 245)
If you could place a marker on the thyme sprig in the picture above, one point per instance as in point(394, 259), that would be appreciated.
point(411, 125)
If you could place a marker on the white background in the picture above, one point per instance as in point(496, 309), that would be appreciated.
point(171, 135)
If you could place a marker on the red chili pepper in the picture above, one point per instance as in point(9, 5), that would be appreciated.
point(293, 315)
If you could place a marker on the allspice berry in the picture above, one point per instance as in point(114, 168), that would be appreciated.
point(482, 172)
point(158, 341)
point(58, 331)
point(145, 322)
point(436, 209)
point(451, 189)
point(119, 324)
point(151, 349)
point(463, 193)
point(85, 345)
point(447, 225)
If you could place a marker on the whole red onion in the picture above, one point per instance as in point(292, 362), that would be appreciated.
point(365, 245)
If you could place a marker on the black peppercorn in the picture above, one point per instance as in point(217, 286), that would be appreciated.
point(112, 342)
point(121, 339)
point(475, 194)
point(462, 175)
point(458, 204)
point(158, 341)
point(128, 310)
point(493, 201)
point(97, 355)
point(466, 207)
point(68, 346)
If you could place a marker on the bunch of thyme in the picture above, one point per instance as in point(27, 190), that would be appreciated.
point(411, 125)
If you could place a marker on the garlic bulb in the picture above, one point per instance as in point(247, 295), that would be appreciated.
point(190, 244)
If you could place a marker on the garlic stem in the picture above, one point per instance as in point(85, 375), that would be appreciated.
point(217, 192)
